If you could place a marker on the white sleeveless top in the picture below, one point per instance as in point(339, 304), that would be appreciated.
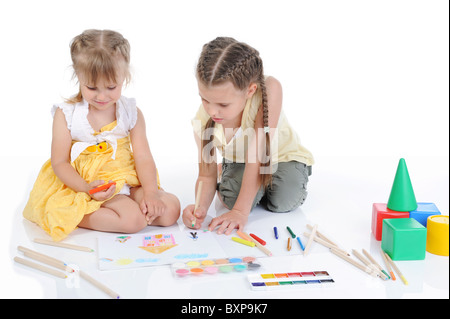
point(83, 133)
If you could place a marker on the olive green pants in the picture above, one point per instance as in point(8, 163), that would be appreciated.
point(287, 191)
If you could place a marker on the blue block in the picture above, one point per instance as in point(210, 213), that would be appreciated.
point(423, 211)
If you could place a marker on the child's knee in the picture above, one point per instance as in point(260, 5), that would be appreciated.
point(286, 202)
point(134, 222)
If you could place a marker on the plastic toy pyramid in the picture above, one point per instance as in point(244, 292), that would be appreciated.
point(402, 198)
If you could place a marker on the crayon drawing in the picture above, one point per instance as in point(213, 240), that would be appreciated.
point(156, 248)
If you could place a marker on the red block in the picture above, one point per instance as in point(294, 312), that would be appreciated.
point(380, 212)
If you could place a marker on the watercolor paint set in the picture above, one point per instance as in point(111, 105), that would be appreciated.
point(289, 280)
point(215, 266)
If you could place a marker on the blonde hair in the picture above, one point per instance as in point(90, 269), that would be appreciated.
point(225, 59)
point(99, 54)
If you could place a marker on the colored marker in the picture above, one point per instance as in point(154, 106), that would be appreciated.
point(259, 240)
point(101, 187)
point(301, 245)
point(243, 241)
point(291, 232)
point(275, 232)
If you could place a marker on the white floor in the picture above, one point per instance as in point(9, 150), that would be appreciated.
point(341, 193)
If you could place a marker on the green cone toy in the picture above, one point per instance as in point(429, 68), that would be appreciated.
point(402, 198)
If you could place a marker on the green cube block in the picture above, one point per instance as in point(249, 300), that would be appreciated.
point(404, 239)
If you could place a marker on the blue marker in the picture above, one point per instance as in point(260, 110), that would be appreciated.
point(276, 232)
point(299, 241)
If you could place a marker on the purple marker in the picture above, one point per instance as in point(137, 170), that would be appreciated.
point(276, 232)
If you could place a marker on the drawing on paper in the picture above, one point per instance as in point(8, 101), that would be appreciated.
point(155, 248)
point(156, 244)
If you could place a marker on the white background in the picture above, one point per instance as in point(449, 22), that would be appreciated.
point(361, 79)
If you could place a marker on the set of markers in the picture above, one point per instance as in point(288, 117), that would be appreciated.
point(305, 249)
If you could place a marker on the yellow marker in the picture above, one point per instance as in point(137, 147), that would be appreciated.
point(243, 241)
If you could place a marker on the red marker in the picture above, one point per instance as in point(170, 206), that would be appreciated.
point(101, 188)
point(259, 240)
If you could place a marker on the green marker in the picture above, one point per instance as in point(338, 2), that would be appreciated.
point(291, 232)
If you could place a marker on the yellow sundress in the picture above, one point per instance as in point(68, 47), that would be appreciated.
point(58, 209)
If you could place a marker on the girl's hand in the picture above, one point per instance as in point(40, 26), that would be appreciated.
point(102, 195)
point(152, 207)
point(229, 221)
point(189, 216)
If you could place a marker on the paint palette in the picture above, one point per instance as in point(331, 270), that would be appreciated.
point(289, 280)
point(215, 266)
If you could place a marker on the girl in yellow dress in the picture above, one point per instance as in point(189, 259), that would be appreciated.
point(99, 136)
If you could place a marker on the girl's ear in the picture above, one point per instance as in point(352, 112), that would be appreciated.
point(251, 90)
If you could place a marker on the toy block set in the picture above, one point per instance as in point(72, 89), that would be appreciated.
point(407, 228)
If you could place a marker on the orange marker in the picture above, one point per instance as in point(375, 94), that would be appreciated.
point(101, 188)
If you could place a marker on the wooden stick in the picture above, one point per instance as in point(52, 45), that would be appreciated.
point(42, 268)
point(310, 240)
point(396, 269)
point(388, 264)
point(351, 261)
point(99, 285)
point(197, 201)
point(365, 252)
point(62, 245)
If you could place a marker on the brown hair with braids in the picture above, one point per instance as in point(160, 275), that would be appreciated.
point(225, 59)
point(99, 54)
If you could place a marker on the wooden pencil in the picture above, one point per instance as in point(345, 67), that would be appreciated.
point(388, 264)
point(397, 270)
point(47, 261)
point(310, 240)
point(326, 243)
point(322, 236)
point(197, 201)
point(351, 261)
point(365, 252)
point(40, 267)
point(99, 285)
point(27, 250)
point(368, 263)
point(62, 245)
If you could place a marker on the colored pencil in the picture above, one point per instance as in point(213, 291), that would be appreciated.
point(376, 264)
point(197, 201)
point(310, 240)
point(40, 267)
point(62, 245)
point(368, 263)
point(99, 285)
point(396, 269)
point(257, 244)
point(289, 244)
point(326, 243)
point(388, 264)
point(275, 231)
point(353, 262)
point(325, 238)
point(101, 187)
point(44, 259)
